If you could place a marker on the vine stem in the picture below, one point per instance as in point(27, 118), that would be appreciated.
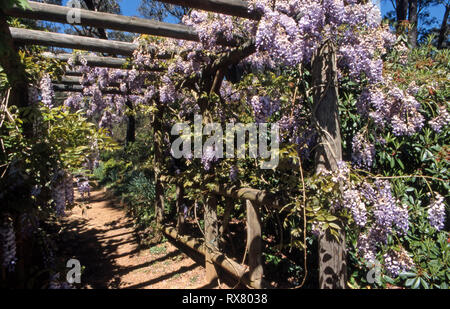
point(305, 255)
point(400, 176)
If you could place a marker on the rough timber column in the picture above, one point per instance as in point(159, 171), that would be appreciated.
point(180, 208)
point(18, 96)
point(254, 244)
point(211, 235)
point(158, 161)
point(332, 255)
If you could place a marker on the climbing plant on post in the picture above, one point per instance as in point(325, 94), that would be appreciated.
point(332, 256)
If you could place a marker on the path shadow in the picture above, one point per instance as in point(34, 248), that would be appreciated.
point(78, 241)
point(126, 270)
point(182, 269)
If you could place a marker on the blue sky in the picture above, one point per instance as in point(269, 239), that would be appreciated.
point(130, 8)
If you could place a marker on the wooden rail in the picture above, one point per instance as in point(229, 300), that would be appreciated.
point(254, 200)
point(236, 8)
point(58, 13)
point(219, 259)
point(256, 196)
point(78, 88)
point(44, 38)
point(95, 61)
point(36, 37)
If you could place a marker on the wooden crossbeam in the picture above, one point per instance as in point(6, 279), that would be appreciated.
point(256, 196)
point(240, 272)
point(35, 37)
point(236, 8)
point(94, 61)
point(79, 88)
point(74, 80)
point(58, 13)
point(97, 61)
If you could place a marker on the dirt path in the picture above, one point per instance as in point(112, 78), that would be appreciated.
point(101, 237)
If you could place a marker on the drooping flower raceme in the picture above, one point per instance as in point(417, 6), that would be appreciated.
point(436, 212)
point(441, 120)
point(363, 151)
point(47, 93)
point(396, 262)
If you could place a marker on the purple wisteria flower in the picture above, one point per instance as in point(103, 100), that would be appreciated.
point(396, 262)
point(363, 151)
point(209, 157)
point(441, 120)
point(436, 212)
point(47, 93)
point(234, 173)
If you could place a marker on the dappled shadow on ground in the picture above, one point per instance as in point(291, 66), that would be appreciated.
point(101, 237)
point(95, 244)
point(83, 242)
point(170, 275)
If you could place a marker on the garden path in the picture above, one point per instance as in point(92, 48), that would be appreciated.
point(101, 237)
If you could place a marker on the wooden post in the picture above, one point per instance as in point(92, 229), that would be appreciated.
point(180, 209)
point(230, 7)
point(332, 255)
point(158, 161)
point(131, 125)
point(211, 234)
point(229, 205)
point(58, 13)
point(14, 70)
point(254, 245)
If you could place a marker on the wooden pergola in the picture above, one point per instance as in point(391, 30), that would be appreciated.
point(209, 247)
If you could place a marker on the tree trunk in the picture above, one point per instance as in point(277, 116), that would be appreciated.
point(131, 125)
point(332, 263)
point(254, 245)
point(158, 161)
point(412, 17)
point(211, 235)
point(14, 70)
point(401, 10)
point(180, 209)
point(443, 31)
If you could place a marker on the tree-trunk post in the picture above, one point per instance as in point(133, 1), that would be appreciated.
point(180, 209)
point(332, 255)
point(211, 235)
point(131, 124)
point(254, 245)
point(158, 161)
point(14, 70)
point(229, 204)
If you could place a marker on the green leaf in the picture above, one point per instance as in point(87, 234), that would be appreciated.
point(409, 282)
point(416, 283)
point(424, 283)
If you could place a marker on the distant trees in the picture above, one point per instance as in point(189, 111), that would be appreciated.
point(153, 9)
point(414, 16)
point(109, 6)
